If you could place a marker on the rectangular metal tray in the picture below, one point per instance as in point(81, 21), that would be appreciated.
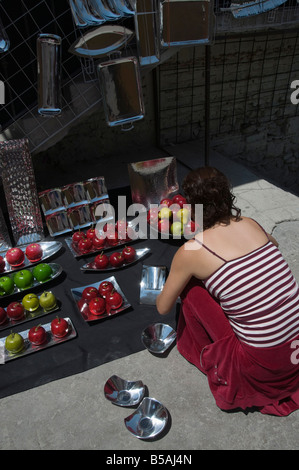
point(29, 348)
point(84, 311)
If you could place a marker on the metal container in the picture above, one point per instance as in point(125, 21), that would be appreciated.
point(49, 74)
point(147, 31)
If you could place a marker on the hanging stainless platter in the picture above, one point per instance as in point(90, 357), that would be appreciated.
point(49, 249)
point(101, 41)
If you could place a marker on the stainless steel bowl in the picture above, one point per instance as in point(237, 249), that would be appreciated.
point(122, 392)
point(148, 420)
point(158, 337)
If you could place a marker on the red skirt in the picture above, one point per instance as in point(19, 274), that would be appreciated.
point(240, 376)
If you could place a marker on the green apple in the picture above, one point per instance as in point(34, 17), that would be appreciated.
point(30, 302)
point(48, 301)
point(183, 215)
point(165, 213)
point(176, 228)
point(23, 279)
point(42, 272)
point(6, 285)
point(14, 343)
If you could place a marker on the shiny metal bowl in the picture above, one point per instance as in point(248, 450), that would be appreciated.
point(158, 337)
point(123, 393)
point(148, 420)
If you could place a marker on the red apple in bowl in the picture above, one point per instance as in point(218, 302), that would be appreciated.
point(3, 315)
point(91, 232)
point(98, 242)
point(116, 259)
point(105, 288)
point(15, 311)
point(101, 261)
point(34, 252)
point(15, 256)
point(77, 236)
point(85, 245)
point(179, 199)
point(114, 300)
point(2, 264)
point(129, 254)
point(59, 327)
point(166, 202)
point(97, 306)
point(37, 335)
point(112, 238)
point(89, 293)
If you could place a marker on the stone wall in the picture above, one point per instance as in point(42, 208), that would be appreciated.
point(252, 118)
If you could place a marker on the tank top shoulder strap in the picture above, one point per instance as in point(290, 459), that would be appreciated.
point(208, 249)
point(262, 228)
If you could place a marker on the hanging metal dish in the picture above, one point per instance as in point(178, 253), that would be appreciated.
point(101, 41)
point(106, 9)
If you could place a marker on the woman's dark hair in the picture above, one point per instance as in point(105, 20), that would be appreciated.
point(211, 188)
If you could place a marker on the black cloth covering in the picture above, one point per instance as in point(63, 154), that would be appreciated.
point(97, 342)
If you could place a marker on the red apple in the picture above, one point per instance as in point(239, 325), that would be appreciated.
point(114, 300)
point(34, 252)
point(112, 238)
point(2, 264)
point(15, 256)
point(97, 306)
point(101, 261)
point(89, 293)
point(3, 316)
point(77, 236)
point(129, 254)
point(98, 242)
point(59, 327)
point(109, 227)
point(152, 215)
point(180, 200)
point(90, 233)
point(166, 202)
point(37, 335)
point(85, 245)
point(121, 226)
point(116, 259)
point(105, 288)
point(15, 311)
point(191, 228)
point(163, 225)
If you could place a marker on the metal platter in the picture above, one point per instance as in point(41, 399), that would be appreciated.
point(149, 419)
point(39, 312)
point(140, 253)
point(49, 249)
point(83, 306)
point(56, 271)
point(30, 348)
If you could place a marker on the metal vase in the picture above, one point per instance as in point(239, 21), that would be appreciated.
point(20, 191)
point(49, 74)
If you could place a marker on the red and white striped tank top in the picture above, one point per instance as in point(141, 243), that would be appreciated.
point(259, 295)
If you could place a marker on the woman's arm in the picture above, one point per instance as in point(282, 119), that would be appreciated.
point(179, 275)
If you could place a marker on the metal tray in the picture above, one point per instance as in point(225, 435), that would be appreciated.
point(49, 249)
point(84, 310)
point(39, 312)
point(106, 247)
point(151, 284)
point(30, 348)
point(57, 270)
point(140, 253)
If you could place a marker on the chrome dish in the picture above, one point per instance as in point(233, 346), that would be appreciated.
point(49, 249)
point(148, 420)
point(140, 253)
point(158, 337)
point(122, 392)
